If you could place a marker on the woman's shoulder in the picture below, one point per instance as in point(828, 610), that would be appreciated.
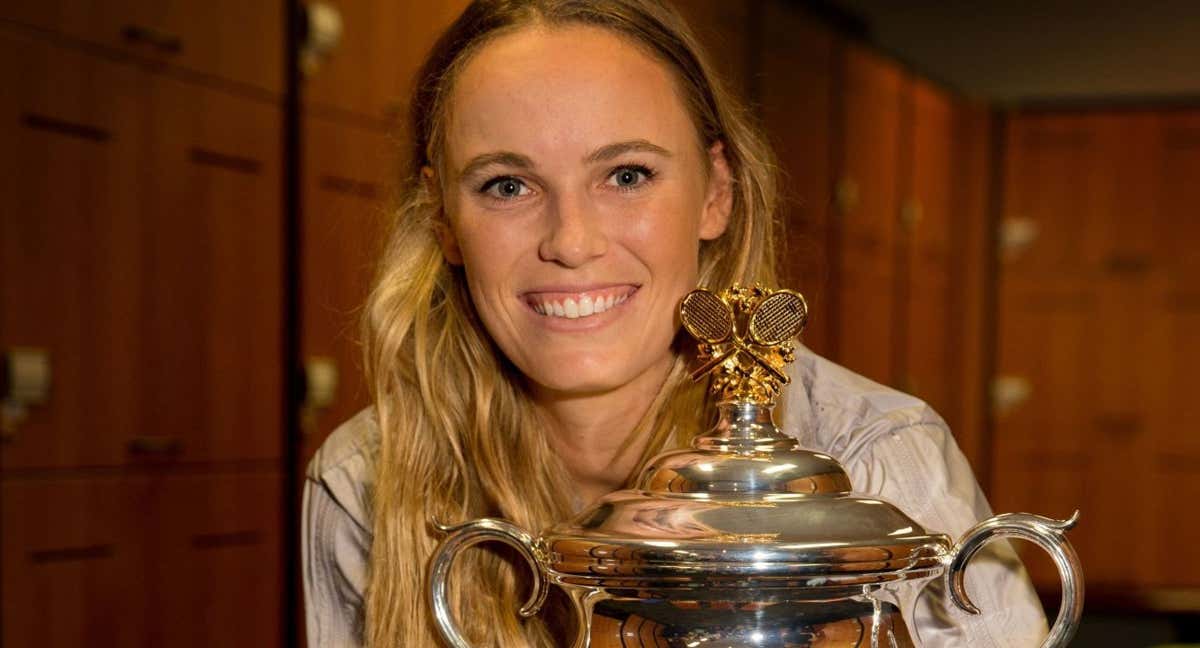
point(352, 441)
point(344, 465)
point(830, 408)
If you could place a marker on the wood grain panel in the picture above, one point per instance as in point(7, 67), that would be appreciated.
point(69, 255)
point(1177, 228)
point(383, 44)
point(972, 279)
point(1093, 316)
point(74, 554)
point(868, 184)
point(926, 217)
point(212, 281)
point(346, 190)
point(218, 578)
point(724, 30)
point(229, 39)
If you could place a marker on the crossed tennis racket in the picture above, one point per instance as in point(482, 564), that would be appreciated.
point(772, 321)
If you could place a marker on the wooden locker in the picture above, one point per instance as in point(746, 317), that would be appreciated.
point(370, 73)
point(972, 281)
point(212, 318)
point(69, 247)
point(1171, 328)
point(724, 31)
point(1177, 228)
point(866, 196)
point(239, 41)
point(219, 573)
point(926, 321)
point(74, 554)
point(1084, 319)
point(348, 172)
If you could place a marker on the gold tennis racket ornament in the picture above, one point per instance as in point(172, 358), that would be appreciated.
point(745, 336)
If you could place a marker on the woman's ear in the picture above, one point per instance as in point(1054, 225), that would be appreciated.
point(449, 242)
point(718, 204)
point(441, 226)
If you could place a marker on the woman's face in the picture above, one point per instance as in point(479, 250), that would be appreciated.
point(578, 193)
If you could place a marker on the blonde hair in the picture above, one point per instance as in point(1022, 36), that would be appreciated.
point(459, 437)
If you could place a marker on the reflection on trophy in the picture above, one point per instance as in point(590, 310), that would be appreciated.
point(746, 539)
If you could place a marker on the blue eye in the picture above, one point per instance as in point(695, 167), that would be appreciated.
point(630, 177)
point(504, 188)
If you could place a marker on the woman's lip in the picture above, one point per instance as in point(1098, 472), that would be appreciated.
point(577, 291)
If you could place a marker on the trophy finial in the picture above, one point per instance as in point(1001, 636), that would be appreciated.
point(745, 337)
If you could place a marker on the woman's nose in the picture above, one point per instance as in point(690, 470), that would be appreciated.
point(574, 233)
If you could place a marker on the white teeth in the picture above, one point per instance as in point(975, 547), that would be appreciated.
point(572, 308)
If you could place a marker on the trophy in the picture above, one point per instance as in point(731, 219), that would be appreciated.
point(745, 538)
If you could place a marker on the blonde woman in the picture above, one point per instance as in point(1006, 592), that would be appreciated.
point(576, 169)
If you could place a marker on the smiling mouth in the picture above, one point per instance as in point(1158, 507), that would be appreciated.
point(579, 304)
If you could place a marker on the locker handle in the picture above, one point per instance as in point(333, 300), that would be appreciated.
point(155, 445)
point(164, 42)
point(71, 554)
point(226, 161)
point(78, 130)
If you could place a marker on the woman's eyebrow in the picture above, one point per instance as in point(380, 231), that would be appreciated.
point(602, 154)
point(505, 158)
point(611, 151)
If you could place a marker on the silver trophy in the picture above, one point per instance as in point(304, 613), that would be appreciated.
point(746, 539)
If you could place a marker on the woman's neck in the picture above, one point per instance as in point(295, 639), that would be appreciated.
point(591, 433)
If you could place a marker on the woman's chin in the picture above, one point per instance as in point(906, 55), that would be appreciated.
point(566, 385)
point(588, 377)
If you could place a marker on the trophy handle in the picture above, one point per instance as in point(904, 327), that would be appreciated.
point(467, 535)
point(1048, 534)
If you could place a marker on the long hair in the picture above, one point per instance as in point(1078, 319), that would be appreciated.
point(459, 437)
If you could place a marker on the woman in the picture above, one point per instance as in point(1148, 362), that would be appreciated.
point(575, 170)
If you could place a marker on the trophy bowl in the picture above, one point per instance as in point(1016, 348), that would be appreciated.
point(745, 538)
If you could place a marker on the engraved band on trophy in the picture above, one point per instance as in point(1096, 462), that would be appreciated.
point(745, 538)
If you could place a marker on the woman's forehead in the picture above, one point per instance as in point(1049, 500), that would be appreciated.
point(563, 90)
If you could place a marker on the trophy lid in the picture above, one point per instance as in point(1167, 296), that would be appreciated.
point(745, 505)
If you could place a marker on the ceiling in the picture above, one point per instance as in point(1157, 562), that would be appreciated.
point(1051, 50)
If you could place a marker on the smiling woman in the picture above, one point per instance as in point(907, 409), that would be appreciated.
point(573, 177)
point(576, 169)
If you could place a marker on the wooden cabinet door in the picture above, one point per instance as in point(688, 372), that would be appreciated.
point(724, 31)
point(926, 266)
point(1171, 328)
point(797, 102)
point(1177, 230)
point(346, 217)
point(73, 562)
point(383, 43)
point(1087, 320)
point(218, 573)
point(212, 277)
point(70, 256)
point(866, 195)
point(971, 343)
point(236, 40)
